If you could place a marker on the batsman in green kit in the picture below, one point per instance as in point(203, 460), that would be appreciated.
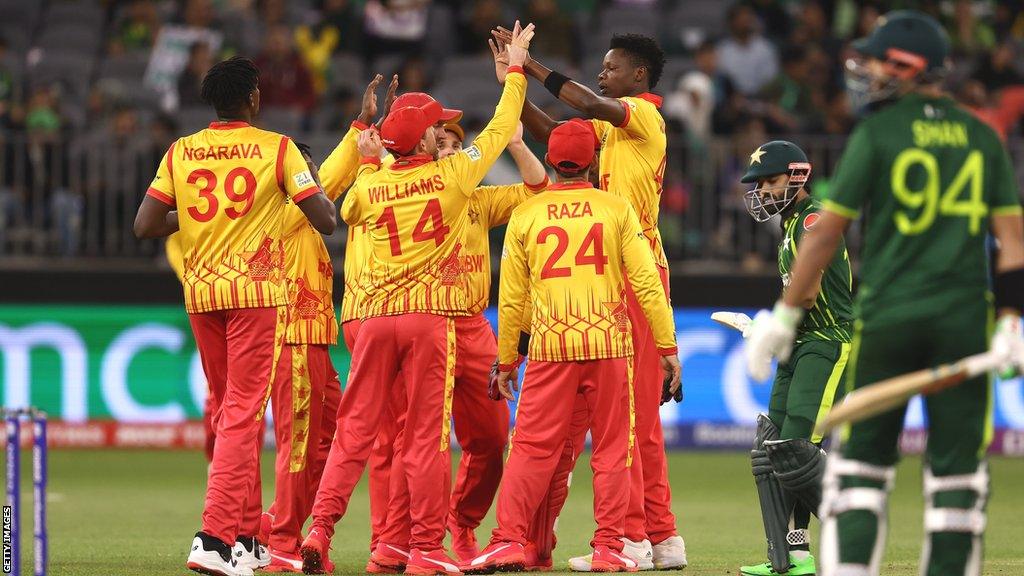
point(935, 185)
point(786, 459)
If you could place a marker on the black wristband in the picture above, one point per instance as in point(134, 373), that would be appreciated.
point(1009, 289)
point(524, 343)
point(554, 82)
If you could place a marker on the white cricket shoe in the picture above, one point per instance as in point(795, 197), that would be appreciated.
point(670, 554)
point(249, 552)
point(640, 552)
point(213, 557)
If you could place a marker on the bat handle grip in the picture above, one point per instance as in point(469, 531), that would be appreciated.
point(981, 364)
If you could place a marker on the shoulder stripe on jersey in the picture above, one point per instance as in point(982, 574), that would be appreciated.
point(625, 121)
point(1007, 210)
point(279, 169)
point(161, 196)
point(837, 208)
point(170, 160)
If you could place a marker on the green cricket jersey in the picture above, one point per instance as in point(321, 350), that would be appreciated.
point(832, 314)
point(928, 176)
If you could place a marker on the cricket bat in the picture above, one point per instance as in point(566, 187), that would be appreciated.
point(885, 395)
point(735, 320)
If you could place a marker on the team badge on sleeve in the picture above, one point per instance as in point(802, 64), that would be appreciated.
point(473, 152)
point(811, 220)
point(303, 179)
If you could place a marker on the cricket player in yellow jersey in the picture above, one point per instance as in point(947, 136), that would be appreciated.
point(481, 424)
point(632, 165)
point(417, 214)
point(226, 188)
point(568, 252)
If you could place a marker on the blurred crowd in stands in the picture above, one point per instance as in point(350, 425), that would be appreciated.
point(123, 76)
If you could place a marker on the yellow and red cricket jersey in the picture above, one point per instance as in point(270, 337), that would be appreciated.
point(229, 184)
point(569, 250)
point(172, 249)
point(416, 214)
point(491, 206)
point(632, 162)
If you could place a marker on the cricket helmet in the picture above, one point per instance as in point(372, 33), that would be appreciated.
point(913, 47)
point(770, 159)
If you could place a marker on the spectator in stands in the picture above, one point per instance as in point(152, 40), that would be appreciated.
point(559, 37)
point(745, 56)
point(339, 110)
point(813, 30)
point(997, 69)
point(1008, 21)
point(284, 80)
point(838, 118)
point(137, 29)
point(200, 59)
point(775, 20)
point(692, 105)
point(199, 14)
point(8, 86)
point(866, 18)
point(394, 26)
point(475, 22)
point(792, 105)
point(337, 27)
point(969, 34)
point(42, 117)
point(414, 76)
point(1002, 113)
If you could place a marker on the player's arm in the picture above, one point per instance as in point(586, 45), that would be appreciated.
point(812, 296)
point(295, 178)
point(512, 294)
point(530, 167)
point(817, 248)
point(574, 94)
point(157, 215)
point(369, 148)
point(340, 169)
point(645, 281)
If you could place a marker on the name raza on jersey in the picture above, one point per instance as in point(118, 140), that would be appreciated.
point(569, 210)
point(397, 191)
point(232, 152)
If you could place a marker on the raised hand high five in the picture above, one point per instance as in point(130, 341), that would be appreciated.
point(519, 44)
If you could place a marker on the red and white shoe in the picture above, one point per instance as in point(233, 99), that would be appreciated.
point(284, 562)
point(314, 552)
point(607, 560)
point(497, 557)
point(432, 562)
point(463, 541)
point(534, 563)
point(390, 556)
point(374, 568)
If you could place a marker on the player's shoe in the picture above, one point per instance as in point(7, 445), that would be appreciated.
point(534, 563)
point(314, 552)
point(639, 552)
point(374, 568)
point(422, 562)
point(604, 559)
point(390, 556)
point(213, 557)
point(249, 552)
point(797, 567)
point(670, 554)
point(497, 557)
point(285, 562)
point(266, 523)
point(463, 541)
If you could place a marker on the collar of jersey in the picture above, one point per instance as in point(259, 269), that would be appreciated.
point(652, 98)
point(569, 186)
point(411, 161)
point(228, 125)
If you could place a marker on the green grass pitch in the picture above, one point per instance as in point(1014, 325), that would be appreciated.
point(133, 513)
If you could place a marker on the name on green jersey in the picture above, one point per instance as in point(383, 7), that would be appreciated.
point(931, 133)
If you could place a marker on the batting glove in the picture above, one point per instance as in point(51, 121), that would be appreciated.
point(771, 336)
point(1008, 345)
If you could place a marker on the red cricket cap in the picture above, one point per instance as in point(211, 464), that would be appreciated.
point(571, 145)
point(421, 99)
point(404, 128)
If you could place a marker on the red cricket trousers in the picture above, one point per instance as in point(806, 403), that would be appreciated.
point(239, 349)
point(546, 405)
point(481, 426)
point(650, 510)
point(303, 375)
point(421, 344)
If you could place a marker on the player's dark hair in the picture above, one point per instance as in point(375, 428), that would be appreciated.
point(570, 170)
point(303, 148)
point(228, 84)
point(643, 51)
